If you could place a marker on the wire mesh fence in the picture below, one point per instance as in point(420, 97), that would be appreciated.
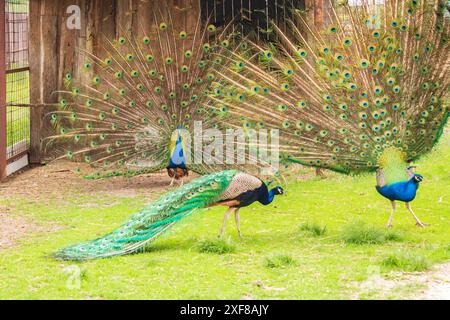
point(251, 17)
point(17, 77)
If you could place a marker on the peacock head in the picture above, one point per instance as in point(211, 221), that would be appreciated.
point(417, 178)
point(278, 190)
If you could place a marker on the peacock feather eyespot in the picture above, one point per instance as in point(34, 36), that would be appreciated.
point(163, 26)
point(325, 50)
point(364, 63)
point(346, 74)
point(352, 87)
point(96, 80)
point(326, 107)
point(332, 29)
point(169, 60)
point(364, 104)
point(211, 28)
point(201, 64)
point(89, 103)
point(396, 89)
point(129, 57)
point(301, 53)
point(140, 87)
point(347, 41)
point(206, 47)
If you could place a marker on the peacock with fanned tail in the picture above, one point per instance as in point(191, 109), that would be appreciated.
point(229, 188)
point(367, 92)
point(141, 101)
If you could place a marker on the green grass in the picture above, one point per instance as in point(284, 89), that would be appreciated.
point(313, 229)
point(217, 246)
point(272, 251)
point(279, 261)
point(361, 233)
point(406, 261)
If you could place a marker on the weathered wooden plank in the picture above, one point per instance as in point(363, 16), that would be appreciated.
point(44, 69)
point(145, 16)
point(125, 17)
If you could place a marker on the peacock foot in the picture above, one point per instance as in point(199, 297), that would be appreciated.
point(389, 226)
point(420, 224)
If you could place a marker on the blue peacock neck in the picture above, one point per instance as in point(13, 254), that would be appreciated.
point(177, 159)
point(266, 197)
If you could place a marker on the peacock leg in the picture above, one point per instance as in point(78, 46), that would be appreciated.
point(418, 222)
point(238, 222)
point(389, 225)
point(225, 218)
point(182, 182)
point(171, 182)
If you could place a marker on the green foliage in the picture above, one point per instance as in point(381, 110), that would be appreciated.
point(313, 229)
point(279, 261)
point(406, 261)
point(362, 233)
point(217, 246)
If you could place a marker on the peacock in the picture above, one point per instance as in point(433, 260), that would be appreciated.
point(367, 91)
point(133, 110)
point(230, 188)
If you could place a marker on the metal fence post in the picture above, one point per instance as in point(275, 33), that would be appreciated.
point(3, 128)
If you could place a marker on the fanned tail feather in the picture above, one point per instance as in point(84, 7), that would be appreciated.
point(124, 115)
point(373, 80)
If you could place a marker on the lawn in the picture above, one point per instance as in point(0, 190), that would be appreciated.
point(324, 240)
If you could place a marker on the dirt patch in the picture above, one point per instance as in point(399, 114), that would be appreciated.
point(438, 283)
point(427, 285)
point(58, 179)
point(13, 228)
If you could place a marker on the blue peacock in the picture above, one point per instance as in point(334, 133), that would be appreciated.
point(130, 110)
point(229, 188)
point(367, 92)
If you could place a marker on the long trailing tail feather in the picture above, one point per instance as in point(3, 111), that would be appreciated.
point(144, 226)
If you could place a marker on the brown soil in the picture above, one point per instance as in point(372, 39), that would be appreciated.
point(13, 228)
